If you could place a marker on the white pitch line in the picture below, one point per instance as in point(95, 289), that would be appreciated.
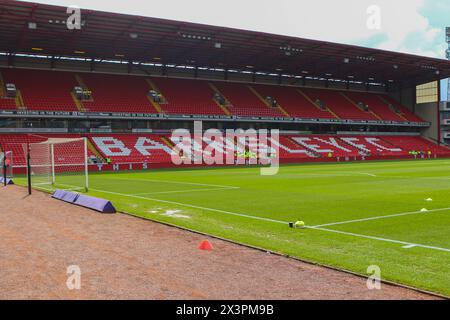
point(412, 177)
point(179, 182)
point(404, 243)
point(186, 191)
point(275, 221)
point(191, 206)
point(332, 174)
point(380, 217)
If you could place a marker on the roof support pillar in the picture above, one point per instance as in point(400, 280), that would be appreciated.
point(130, 67)
point(438, 111)
point(11, 57)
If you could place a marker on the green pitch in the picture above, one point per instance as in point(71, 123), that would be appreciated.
point(357, 214)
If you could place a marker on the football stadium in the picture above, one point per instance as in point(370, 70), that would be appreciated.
point(209, 160)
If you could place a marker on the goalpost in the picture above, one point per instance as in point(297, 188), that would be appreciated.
point(58, 163)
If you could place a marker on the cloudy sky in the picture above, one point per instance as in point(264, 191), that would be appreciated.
point(411, 26)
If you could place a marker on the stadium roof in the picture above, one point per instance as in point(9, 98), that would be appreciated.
point(142, 39)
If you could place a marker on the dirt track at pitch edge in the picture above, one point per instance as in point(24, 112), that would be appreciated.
point(122, 257)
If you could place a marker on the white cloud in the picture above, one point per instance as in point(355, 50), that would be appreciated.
point(342, 21)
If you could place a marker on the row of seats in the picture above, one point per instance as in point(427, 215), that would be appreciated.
point(152, 148)
point(117, 93)
point(123, 148)
point(42, 90)
point(51, 90)
point(187, 97)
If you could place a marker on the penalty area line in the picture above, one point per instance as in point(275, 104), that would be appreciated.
point(405, 245)
point(380, 217)
point(177, 182)
point(186, 191)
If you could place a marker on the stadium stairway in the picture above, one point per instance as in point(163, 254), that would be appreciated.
point(5, 103)
point(311, 152)
point(80, 81)
point(376, 105)
point(279, 107)
point(117, 93)
point(307, 97)
point(155, 104)
point(9, 103)
point(362, 150)
point(187, 97)
point(243, 102)
point(91, 142)
point(95, 151)
point(167, 142)
point(31, 85)
point(79, 104)
point(224, 107)
point(338, 104)
point(376, 116)
point(19, 101)
point(401, 114)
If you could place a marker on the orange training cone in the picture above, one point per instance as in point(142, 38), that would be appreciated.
point(205, 245)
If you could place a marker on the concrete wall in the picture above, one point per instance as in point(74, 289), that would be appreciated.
point(429, 112)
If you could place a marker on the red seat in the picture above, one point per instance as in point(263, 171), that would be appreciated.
point(43, 90)
point(244, 102)
point(117, 93)
point(187, 97)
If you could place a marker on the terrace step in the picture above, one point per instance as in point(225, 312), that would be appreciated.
point(315, 105)
point(19, 101)
point(357, 106)
point(155, 104)
point(94, 150)
point(279, 107)
point(79, 104)
point(224, 108)
point(400, 114)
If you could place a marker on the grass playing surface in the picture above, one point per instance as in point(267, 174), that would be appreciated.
point(358, 214)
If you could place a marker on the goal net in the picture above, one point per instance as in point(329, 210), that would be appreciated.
point(58, 163)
